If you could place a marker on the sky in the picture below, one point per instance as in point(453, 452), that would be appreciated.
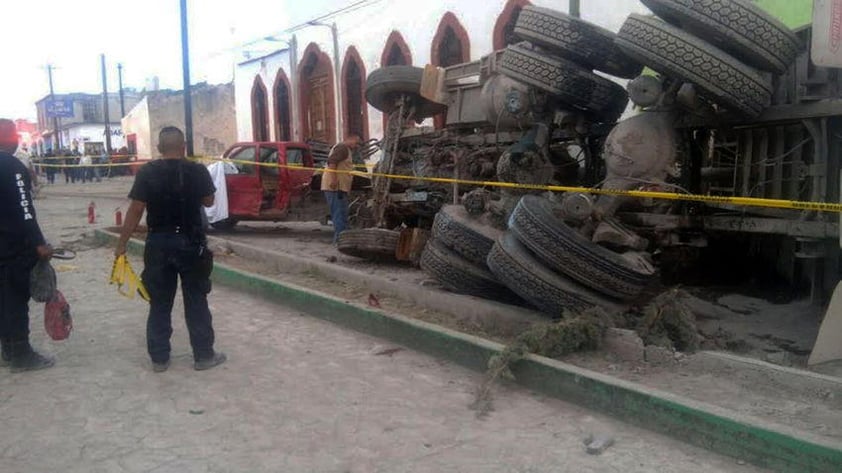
point(143, 35)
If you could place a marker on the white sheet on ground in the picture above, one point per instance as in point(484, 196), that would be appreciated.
point(219, 210)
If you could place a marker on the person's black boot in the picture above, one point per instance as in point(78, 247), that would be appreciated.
point(24, 358)
point(207, 363)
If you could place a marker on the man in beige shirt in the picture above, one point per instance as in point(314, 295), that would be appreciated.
point(337, 185)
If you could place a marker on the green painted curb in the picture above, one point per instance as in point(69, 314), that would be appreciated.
point(714, 429)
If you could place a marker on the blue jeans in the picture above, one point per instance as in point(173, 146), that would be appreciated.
point(337, 201)
point(167, 257)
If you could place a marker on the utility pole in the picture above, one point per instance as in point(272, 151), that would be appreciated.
point(574, 9)
point(57, 141)
point(120, 83)
point(105, 113)
point(340, 133)
point(185, 63)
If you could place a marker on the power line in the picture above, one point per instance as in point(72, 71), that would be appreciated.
point(357, 5)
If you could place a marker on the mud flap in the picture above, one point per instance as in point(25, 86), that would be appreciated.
point(828, 345)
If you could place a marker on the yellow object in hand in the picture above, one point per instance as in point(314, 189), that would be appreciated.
point(126, 279)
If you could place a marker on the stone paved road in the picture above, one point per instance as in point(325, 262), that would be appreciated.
point(297, 395)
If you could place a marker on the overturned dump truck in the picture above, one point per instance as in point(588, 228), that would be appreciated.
point(723, 100)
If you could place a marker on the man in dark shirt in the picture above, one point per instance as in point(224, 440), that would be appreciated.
point(21, 245)
point(173, 190)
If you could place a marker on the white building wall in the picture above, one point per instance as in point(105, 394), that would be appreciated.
point(368, 29)
point(92, 134)
point(137, 121)
point(267, 69)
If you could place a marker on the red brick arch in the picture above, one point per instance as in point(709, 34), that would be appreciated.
point(314, 63)
point(355, 108)
point(506, 20)
point(449, 27)
point(259, 111)
point(395, 40)
point(283, 111)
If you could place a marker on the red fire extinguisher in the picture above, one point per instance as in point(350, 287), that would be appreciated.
point(118, 217)
point(92, 213)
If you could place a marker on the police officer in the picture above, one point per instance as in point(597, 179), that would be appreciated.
point(173, 190)
point(21, 245)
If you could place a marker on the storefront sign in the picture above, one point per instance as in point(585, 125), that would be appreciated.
point(827, 33)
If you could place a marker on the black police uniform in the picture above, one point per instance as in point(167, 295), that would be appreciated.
point(20, 235)
point(173, 190)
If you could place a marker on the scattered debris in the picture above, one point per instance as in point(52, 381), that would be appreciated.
point(197, 412)
point(596, 444)
point(332, 259)
point(668, 322)
point(388, 352)
point(373, 301)
point(625, 345)
point(568, 335)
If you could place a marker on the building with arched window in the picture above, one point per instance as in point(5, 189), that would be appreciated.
point(314, 91)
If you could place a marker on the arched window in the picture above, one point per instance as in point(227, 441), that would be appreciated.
point(396, 52)
point(283, 107)
point(353, 91)
point(318, 112)
point(504, 28)
point(259, 111)
point(451, 46)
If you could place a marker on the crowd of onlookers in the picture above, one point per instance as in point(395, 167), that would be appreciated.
point(73, 165)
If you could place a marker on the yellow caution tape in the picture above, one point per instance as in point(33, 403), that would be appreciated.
point(128, 284)
point(740, 201)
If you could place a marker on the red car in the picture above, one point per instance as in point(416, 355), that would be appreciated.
point(270, 192)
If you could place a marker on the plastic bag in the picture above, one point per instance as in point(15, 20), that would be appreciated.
point(57, 320)
point(127, 281)
point(42, 281)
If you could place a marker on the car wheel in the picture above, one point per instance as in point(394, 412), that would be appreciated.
point(575, 39)
point(385, 85)
point(545, 289)
point(719, 77)
point(565, 250)
point(738, 27)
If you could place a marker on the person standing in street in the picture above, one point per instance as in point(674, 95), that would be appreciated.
point(172, 191)
point(21, 245)
point(85, 169)
point(337, 185)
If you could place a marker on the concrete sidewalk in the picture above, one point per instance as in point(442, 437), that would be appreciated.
point(297, 395)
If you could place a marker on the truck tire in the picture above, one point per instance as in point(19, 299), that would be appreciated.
point(385, 85)
point(570, 82)
point(470, 239)
point(545, 289)
point(673, 52)
point(738, 27)
point(460, 275)
point(369, 243)
point(565, 250)
point(575, 39)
